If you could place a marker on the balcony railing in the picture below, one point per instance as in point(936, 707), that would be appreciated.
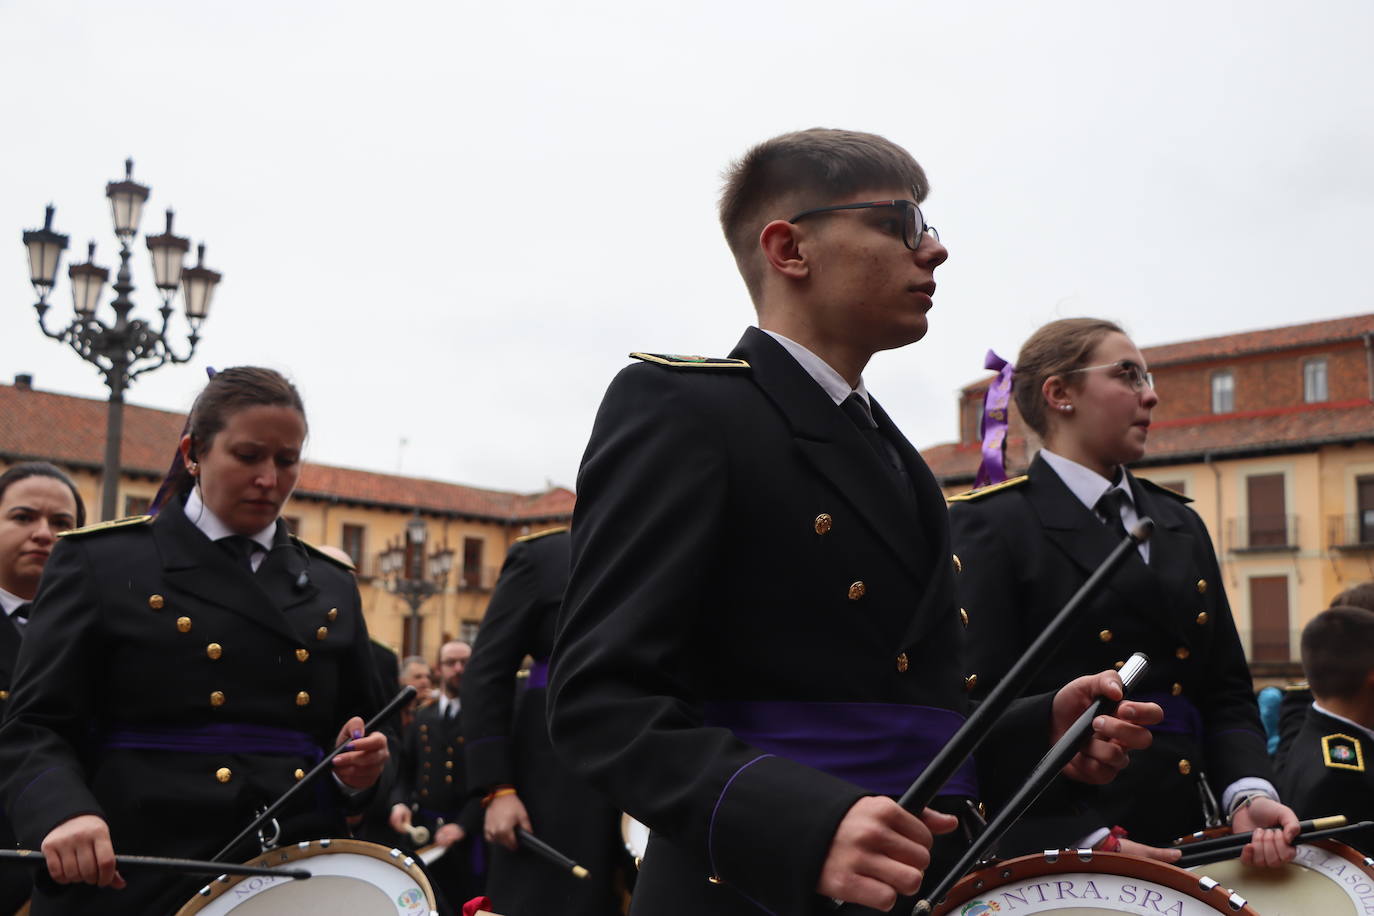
point(1258, 533)
point(477, 578)
point(1354, 531)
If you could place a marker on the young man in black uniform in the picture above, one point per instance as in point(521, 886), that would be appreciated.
point(738, 519)
point(1329, 768)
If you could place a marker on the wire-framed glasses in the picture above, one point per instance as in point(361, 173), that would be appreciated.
point(914, 226)
point(1130, 373)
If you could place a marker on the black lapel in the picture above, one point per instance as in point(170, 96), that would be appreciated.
point(10, 636)
point(830, 442)
point(284, 574)
point(1171, 547)
point(1086, 542)
point(192, 563)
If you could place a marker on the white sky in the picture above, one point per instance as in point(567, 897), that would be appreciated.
point(450, 222)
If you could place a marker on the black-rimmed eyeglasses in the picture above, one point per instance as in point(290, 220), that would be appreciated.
point(1130, 373)
point(914, 226)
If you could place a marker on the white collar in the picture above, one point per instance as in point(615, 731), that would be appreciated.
point(9, 602)
point(825, 375)
point(213, 528)
point(1368, 733)
point(445, 701)
point(1085, 483)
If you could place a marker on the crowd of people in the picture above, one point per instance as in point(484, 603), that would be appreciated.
point(164, 678)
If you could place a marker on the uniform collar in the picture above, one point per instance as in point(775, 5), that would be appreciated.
point(1085, 483)
point(9, 601)
point(1367, 733)
point(213, 528)
point(825, 375)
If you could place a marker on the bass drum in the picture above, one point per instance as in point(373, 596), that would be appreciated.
point(635, 836)
point(1327, 878)
point(1087, 883)
point(347, 876)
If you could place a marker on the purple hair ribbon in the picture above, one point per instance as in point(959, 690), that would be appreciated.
point(996, 403)
point(164, 491)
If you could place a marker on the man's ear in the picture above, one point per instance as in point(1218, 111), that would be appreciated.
point(780, 242)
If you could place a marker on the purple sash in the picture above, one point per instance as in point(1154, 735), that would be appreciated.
point(879, 746)
point(1181, 717)
point(217, 738)
point(539, 674)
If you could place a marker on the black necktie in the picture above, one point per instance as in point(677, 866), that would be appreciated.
point(1108, 508)
point(241, 548)
point(21, 613)
point(858, 413)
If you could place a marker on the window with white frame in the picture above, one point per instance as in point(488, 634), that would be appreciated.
point(1223, 392)
point(1314, 381)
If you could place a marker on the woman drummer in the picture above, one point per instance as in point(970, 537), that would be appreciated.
point(37, 503)
point(1028, 544)
point(180, 673)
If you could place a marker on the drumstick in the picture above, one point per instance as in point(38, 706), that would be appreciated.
point(979, 724)
point(1044, 773)
point(1192, 858)
point(548, 853)
point(407, 693)
point(418, 833)
point(34, 858)
point(1227, 840)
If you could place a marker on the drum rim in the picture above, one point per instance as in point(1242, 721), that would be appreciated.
point(1064, 861)
point(306, 849)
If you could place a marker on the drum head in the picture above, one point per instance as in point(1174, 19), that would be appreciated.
point(1327, 878)
point(347, 876)
point(1087, 883)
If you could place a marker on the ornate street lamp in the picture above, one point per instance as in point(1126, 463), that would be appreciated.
point(408, 574)
point(127, 348)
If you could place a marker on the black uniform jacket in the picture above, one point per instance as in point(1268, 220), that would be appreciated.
point(14, 882)
point(752, 596)
point(1329, 769)
point(508, 742)
point(175, 693)
point(432, 772)
point(1026, 548)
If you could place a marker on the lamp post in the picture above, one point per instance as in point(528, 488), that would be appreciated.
point(126, 349)
point(412, 576)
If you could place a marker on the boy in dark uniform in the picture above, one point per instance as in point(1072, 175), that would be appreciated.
point(1329, 768)
point(761, 643)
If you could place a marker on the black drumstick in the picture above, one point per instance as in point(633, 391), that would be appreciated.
point(407, 693)
point(1044, 773)
point(33, 858)
point(1191, 858)
point(548, 853)
point(1228, 840)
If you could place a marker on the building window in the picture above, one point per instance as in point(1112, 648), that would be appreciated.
point(1269, 638)
point(1223, 392)
point(137, 505)
point(1314, 381)
point(1266, 522)
point(472, 562)
point(352, 538)
point(467, 631)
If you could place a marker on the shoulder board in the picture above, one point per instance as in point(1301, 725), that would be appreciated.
point(988, 490)
point(1296, 688)
point(677, 361)
point(1167, 491)
point(1342, 752)
point(106, 526)
point(317, 552)
point(534, 536)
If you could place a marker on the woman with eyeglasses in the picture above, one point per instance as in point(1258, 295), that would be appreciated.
point(181, 673)
point(1028, 544)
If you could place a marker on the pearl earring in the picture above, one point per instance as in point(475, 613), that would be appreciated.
point(1067, 408)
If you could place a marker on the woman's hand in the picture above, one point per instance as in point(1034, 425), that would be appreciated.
point(1275, 828)
point(79, 850)
point(360, 765)
point(505, 813)
point(1113, 736)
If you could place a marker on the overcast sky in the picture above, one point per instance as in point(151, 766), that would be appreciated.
point(450, 222)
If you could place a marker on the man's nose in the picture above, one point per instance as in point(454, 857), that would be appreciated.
point(931, 252)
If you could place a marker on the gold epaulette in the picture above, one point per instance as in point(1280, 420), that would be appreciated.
point(988, 490)
point(317, 552)
point(678, 361)
point(1296, 688)
point(106, 526)
point(536, 535)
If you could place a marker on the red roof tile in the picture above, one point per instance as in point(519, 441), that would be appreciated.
point(70, 430)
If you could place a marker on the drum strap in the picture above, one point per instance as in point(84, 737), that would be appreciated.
point(217, 738)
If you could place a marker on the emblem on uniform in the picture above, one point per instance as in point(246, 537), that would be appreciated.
point(1342, 752)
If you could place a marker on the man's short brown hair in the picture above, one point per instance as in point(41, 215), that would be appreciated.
point(1338, 651)
point(796, 171)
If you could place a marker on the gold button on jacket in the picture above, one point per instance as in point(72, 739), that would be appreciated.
point(155, 602)
point(224, 774)
point(857, 591)
point(824, 523)
point(214, 651)
point(183, 624)
point(903, 663)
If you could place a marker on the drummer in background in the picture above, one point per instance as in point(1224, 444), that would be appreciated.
point(511, 762)
point(1329, 769)
point(431, 785)
point(180, 673)
point(37, 503)
point(1029, 543)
